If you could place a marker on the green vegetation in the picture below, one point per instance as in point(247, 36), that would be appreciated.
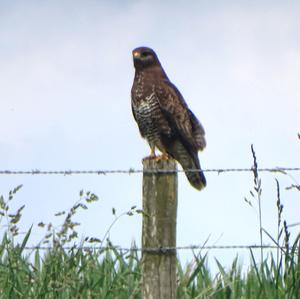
point(64, 271)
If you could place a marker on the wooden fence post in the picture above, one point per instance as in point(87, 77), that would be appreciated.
point(159, 230)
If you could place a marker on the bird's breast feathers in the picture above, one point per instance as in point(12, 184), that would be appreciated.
point(145, 106)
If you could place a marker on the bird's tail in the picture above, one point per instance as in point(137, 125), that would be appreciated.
point(189, 163)
point(196, 178)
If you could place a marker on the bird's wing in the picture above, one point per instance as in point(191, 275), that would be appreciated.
point(179, 116)
point(198, 131)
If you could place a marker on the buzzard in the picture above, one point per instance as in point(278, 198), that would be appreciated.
point(163, 116)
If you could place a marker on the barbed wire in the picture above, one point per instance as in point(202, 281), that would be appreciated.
point(137, 171)
point(159, 249)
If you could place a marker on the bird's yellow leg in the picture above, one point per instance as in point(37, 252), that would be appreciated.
point(152, 154)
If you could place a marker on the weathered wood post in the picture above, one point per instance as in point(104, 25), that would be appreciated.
point(159, 229)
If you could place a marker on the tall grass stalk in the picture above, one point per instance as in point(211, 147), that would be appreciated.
point(258, 191)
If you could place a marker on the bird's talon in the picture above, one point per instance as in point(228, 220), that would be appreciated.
point(163, 157)
point(151, 157)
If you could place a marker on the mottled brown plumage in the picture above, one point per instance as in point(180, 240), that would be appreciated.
point(163, 116)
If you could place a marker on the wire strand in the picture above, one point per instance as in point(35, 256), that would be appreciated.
point(159, 249)
point(137, 171)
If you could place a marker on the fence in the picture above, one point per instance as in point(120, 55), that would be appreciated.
point(140, 171)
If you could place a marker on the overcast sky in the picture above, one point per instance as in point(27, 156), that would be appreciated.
point(65, 77)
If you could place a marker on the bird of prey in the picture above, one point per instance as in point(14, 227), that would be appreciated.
point(163, 116)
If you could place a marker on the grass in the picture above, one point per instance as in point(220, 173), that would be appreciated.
point(69, 271)
point(81, 273)
point(73, 273)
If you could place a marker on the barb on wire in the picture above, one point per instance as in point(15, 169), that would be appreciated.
point(134, 171)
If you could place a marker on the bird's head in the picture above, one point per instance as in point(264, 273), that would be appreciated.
point(144, 57)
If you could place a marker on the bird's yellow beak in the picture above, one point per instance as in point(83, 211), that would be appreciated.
point(136, 54)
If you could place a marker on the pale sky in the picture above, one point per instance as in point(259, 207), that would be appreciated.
point(65, 79)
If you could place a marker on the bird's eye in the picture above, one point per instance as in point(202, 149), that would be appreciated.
point(146, 54)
